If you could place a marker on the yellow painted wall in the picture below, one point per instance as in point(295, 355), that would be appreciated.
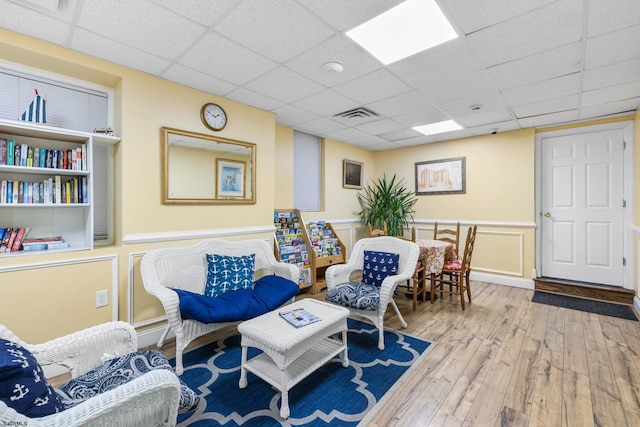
point(500, 188)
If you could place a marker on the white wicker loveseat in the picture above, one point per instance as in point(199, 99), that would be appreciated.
point(150, 399)
point(186, 269)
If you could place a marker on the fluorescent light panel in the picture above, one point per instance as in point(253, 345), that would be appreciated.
point(409, 28)
point(439, 127)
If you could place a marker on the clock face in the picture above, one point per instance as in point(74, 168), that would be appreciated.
point(213, 116)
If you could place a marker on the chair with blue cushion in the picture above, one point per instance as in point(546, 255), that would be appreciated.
point(385, 262)
point(111, 382)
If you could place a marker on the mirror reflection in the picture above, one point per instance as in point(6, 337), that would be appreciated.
point(203, 169)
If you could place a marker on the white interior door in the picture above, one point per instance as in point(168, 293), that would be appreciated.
point(583, 207)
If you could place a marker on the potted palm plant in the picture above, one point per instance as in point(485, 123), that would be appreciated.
point(387, 201)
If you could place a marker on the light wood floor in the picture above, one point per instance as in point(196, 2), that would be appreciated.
point(506, 361)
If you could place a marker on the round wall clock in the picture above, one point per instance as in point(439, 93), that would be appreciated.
point(213, 116)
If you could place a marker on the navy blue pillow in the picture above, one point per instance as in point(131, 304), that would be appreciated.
point(229, 273)
point(379, 265)
point(23, 385)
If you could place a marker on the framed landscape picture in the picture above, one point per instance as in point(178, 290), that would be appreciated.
point(231, 177)
point(352, 173)
point(446, 176)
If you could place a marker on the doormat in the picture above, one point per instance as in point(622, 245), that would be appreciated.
point(332, 396)
point(598, 307)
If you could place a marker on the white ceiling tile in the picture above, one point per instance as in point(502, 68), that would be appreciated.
point(401, 134)
point(95, 45)
point(265, 26)
point(24, 20)
point(456, 134)
point(248, 97)
point(367, 141)
point(610, 15)
point(418, 140)
point(335, 49)
point(548, 89)
point(291, 116)
point(320, 126)
point(457, 89)
point(501, 127)
point(209, 55)
point(613, 108)
point(198, 80)
point(483, 118)
point(423, 117)
point(149, 28)
point(488, 102)
point(380, 126)
point(564, 103)
point(345, 134)
point(542, 66)
point(611, 94)
point(440, 63)
point(401, 104)
point(383, 146)
point(343, 15)
point(474, 15)
point(284, 85)
point(549, 119)
point(386, 85)
point(613, 47)
point(549, 27)
point(622, 72)
point(326, 103)
point(200, 11)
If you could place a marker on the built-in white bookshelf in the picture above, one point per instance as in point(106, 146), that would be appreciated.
point(70, 217)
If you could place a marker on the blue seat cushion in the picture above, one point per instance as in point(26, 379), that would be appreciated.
point(358, 295)
point(23, 385)
point(116, 372)
point(269, 293)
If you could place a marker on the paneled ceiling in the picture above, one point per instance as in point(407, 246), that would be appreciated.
point(516, 63)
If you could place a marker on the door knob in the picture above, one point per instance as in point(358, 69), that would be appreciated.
point(547, 214)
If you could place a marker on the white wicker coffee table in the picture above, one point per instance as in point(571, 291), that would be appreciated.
point(291, 354)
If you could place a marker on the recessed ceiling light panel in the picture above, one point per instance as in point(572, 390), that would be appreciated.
point(409, 28)
point(439, 127)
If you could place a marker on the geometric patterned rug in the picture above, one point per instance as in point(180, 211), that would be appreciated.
point(332, 395)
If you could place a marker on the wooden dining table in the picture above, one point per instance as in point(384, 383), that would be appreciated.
point(433, 255)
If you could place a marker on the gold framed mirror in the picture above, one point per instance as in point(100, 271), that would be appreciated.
point(207, 170)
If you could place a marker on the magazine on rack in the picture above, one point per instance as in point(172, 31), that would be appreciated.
point(299, 317)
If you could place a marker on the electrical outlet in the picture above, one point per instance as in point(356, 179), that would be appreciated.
point(102, 298)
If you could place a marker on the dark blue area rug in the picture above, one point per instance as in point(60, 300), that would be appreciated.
point(332, 395)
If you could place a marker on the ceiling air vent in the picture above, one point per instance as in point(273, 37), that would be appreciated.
point(357, 116)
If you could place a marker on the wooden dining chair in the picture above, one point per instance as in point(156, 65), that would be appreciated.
point(376, 232)
point(454, 278)
point(418, 284)
point(451, 235)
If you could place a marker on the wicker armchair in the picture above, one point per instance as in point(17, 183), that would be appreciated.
point(341, 275)
point(185, 268)
point(149, 400)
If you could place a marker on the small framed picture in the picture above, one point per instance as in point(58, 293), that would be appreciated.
point(352, 173)
point(231, 177)
point(445, 176)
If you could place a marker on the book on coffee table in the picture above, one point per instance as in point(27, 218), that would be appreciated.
point(299, 317)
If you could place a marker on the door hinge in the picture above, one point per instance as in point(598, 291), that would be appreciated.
point(624, 203)
point(624, 145)
point(624, 261)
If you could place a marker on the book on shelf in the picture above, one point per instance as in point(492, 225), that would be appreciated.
point(30, 247)
point(3, 151)
point(16, 155)
point(22, 233)
point(4, 239)
point(58, 245)
point(11, 147)
point(299, 317)
point(48, 239)
point(12, 238)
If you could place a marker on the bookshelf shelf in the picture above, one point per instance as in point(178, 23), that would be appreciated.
point(48, 212)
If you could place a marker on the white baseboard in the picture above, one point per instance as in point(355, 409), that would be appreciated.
point(151, 336)
point(503, 280)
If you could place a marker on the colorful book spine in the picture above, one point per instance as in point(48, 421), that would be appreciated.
point(24, 149)
point(22, 233)
point(12, 238)
point(3, 151)
point(10, 152)
point(5, 239)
